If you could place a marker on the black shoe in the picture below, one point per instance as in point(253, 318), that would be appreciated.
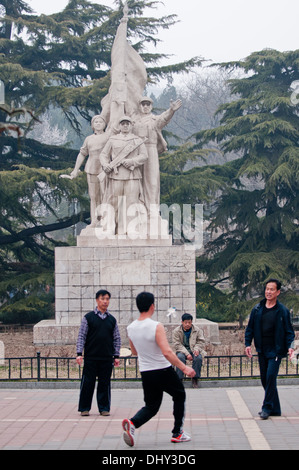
point(270, 414)
point(194, 382)
point(264, 415)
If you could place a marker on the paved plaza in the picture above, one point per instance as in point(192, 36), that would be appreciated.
point(224, 418)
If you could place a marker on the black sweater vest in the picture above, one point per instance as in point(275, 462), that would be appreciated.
point(99, 340)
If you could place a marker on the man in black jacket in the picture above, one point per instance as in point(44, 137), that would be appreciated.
point(271, 329)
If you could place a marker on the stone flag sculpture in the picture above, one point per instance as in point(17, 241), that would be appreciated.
point(128, 78)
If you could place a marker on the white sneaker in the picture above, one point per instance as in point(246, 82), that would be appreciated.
point(129, 429)
point(181, 438)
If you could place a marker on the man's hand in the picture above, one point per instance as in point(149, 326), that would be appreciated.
point(189, 371)
point(248, 352)
point(189, 357)
point(79, 360)
point(291, 353)
point(116, 362)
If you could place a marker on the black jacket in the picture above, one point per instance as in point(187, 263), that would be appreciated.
point(284, 332)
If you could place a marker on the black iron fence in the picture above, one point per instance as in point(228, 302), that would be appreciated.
point(40, 368)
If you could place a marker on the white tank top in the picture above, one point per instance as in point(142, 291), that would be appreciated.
point(143, 336)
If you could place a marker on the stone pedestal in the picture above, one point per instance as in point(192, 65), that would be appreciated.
point(124, 270)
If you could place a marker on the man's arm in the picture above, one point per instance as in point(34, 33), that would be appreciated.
point(116, 344)
point(200, 343)
point(249, 334)
point(250, 328)
point(132, 347)
point(290, 334)
point(168, 353)
point(81, 340)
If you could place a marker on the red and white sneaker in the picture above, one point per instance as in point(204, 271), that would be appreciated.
point(181, 438)
point(129, 429)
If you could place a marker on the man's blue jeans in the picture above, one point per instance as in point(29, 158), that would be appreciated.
point(196, 364)
point(269, 367)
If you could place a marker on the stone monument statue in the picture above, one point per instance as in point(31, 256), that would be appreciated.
point(125, 98)
point(123, 163)
point(121, 159)
point(149, 126)
point(91, 148)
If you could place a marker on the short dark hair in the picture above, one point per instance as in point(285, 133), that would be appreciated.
point(187, 316)
point(102, 292)
point(144, 300)
point(276, 281)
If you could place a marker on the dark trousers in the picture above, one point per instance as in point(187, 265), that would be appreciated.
point(154, 383)
point(269, 367)
point(196, 364)
point(95, 369)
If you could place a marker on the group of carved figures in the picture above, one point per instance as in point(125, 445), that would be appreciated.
point(123, 164)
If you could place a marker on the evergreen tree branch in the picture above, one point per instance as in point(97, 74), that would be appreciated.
point(42, 229)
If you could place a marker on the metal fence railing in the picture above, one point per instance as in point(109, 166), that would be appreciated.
point(40, 368)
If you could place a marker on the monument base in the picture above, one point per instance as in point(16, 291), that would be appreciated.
point(166, 270)
point(48, 333)
point(93, 237)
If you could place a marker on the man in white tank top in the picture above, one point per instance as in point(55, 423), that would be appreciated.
point(148, 341)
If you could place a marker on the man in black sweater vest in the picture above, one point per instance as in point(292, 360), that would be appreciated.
point(99, 337)
point(271, 329)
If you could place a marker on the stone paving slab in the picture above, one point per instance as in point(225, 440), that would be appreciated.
point(216, 418)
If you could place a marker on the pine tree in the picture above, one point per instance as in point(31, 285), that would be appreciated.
point(255, 221)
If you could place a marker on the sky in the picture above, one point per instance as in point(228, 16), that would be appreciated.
point(216, 30)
